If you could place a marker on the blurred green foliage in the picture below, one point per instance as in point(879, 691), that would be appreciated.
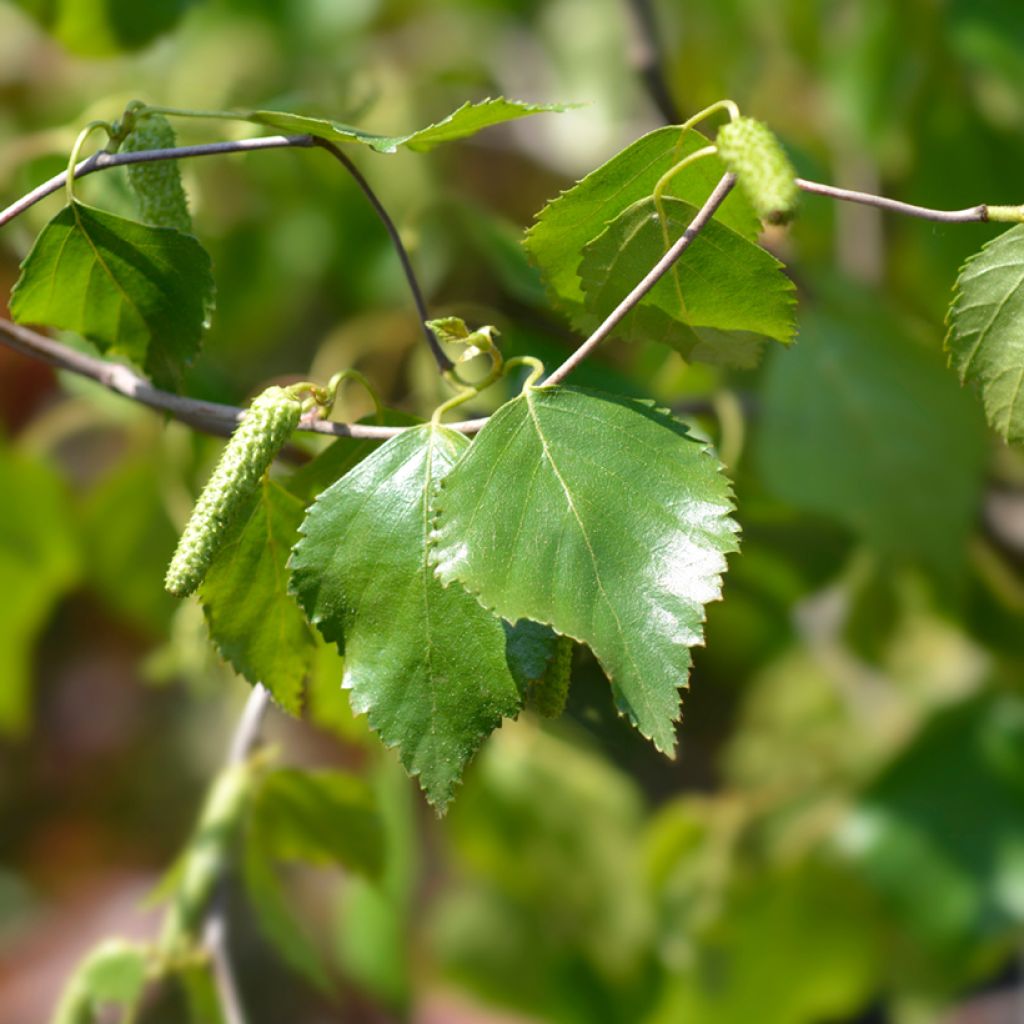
point(842, 829)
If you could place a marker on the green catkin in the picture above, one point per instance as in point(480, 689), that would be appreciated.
point(549, 694)
point(261, 434)
point(751, 151)
point(157, 185)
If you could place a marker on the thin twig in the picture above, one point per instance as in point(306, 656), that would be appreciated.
point(706, 212)
point(103, 161)
point(966, 216)
point(211, 417)
point(443, 362)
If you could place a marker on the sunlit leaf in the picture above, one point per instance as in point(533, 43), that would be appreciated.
point(137, 291)
point(460, 124)
point(425, 663)
point(986, 338)
point(602, 517)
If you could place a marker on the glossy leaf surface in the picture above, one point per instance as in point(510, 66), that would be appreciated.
point(602, 517)
point(425, 663)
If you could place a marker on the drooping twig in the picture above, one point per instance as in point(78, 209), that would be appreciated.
point(443, 362)
point(704, 214)
point(103, 161)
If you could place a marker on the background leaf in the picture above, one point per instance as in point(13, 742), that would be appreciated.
point(459, 124)
point(610, 523)
point(425, 663)
point(985, 340)
point(136, 291)
point(253, 619)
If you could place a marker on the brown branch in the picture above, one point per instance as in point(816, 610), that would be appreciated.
point(969, 215)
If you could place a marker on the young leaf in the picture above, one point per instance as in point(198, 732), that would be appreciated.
point(460, 124)
point(425, 663)
point(319, 817)
point(580, 214)
point(985, 341)
point(722, 282)
point(253, 620)
point(603, 517)
point(138, 291)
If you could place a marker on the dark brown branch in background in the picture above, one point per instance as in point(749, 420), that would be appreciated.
point(648, 61)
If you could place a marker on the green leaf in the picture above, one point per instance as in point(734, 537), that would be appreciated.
point(138, 291)
point(276, 922)
point(425, 663)
point(102, 28)
point(529, 647)
point(114, 972)
point(460, 124)
point(319, 817)
point(861, 424)
point(580, 214)
point(722, 281)
point(39, 562)
point(602, 517)
point(985, 341)
point(253, 619)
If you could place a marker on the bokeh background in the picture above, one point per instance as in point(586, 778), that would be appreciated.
point(841, 838)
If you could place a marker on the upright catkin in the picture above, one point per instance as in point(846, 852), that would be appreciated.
point(262, 432)
point(157, 184)
point(549, 694)
point(751, 151)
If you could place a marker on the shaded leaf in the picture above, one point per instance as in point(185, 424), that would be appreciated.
point(318, 817)
point(723, 282)
point(861, 424)
point(39, 562)
point(459, 124)
point(425, 663)
point(985, 340)
point(253, 619)
point(529, 647)
point(565, 226)
point(602, 517)
point(137, 291)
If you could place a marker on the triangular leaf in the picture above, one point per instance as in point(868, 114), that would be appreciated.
point(603, 517)
point(138, 291)
point(985, 340)
point(425, 663)
point(253, 619)
point(319, 817)
point(580, 214)
point(723, 282)
point(459, 124)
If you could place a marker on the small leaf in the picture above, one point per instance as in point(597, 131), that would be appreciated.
point(253, 619)
point(603, 517)
point(460, 124)
point(114, 972)
point(580, 214)
point(529, 647)
point(137, 291)
point(425, 663)
point(319, 817)
point(722, 282)
point(985, 340)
